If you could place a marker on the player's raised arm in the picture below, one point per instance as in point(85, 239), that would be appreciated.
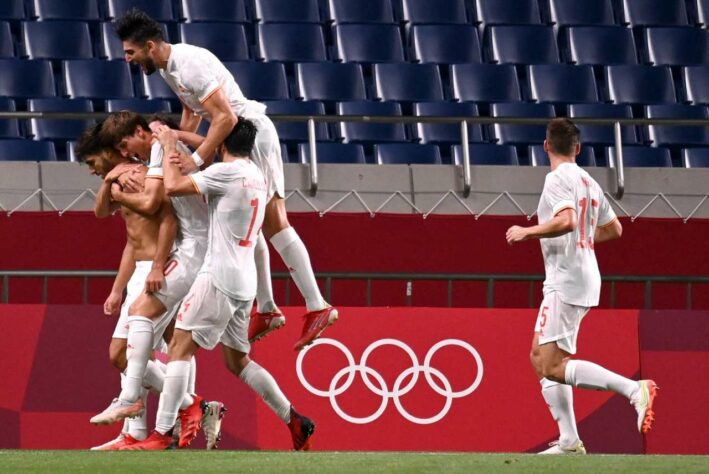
point(146, 202)
point(223, 122)
point(176, 184)
point(189, 121)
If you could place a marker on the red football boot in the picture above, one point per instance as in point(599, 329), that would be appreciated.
point(301, 429)
point(315, 323)
point(123, 439)
point(155, 442)
point(190, 420)
point(261, 324)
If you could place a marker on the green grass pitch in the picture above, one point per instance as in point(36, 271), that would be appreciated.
point(338, 462)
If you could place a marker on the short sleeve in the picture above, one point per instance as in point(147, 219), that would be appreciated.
point(558, 194)
point(199, 79)
point(216, 179)
point(606, 215)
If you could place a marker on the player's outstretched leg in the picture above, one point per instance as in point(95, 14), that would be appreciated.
point(266, 317)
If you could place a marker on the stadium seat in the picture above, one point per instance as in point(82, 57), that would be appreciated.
point(288, 42)
point(233, 11)
point(357, 132)
point(260, 81)
point(640, 157)
point(538, 157)
point(277, 11)
point(57, 40)
point(78, 10)
point(484, 83)
point(12, 10)
point(58, 130)
point(440, 11)
point(94, 79)
point(368, 43)
point(406, 82)
point(507, 12)
point(445, 133)
point(695, 157)
point(561, 83)
point(297, 131)
point(564, 13)
point(598, 45)
point(9, 128)
point(602, 134)
point(155, 87)
point(361, 11)
point(695, 80)
point(407, 154)
point(676, 46)
point(487, 154)
point(7, 44)
point(160, 10)
point(329, 82)
point(702, 9)
point(26, 78)
point(653, 12)
point(523, 44)
point(338, 153)
point(141, 106)
point(667, 135)
point(27, 150)
point(70, 152)
point(520, 134)
point(639, 84)
point(226, 40)
point(446, 44)
point(110, 47)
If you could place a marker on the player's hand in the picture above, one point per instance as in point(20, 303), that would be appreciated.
point(516, 234)
point(133, 181)
point(185, 163)
point(166, 136)
point(154, 281)
point(116, 192)
point(112, 304)
point(119, 170)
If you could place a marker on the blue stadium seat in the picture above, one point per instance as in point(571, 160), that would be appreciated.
point(9, 128)
point(695, 80)
point(680, 46)
point(641, 157)
point(446, 44)
point(523, 44)
point(58, 130)
point(702, 13)
point(297, 131)
point(361, 11)
point(507, 12)
point(440, 11)
point(487, 154)
point(12, 10)
point(260, 81)
point(667, 135)
point(329, 82)
point(599, 45)
point(110, 47)
point(94, 79)
point(7, 44)
point(445, 133)
point(57, 40)
point(79, 10)
point(275, 11)
point(27, 150)
point(695, 157)
point(233, 11)
point(291, 42)
point(407, 154)
point(160, 10)
point(141, 106)
point(520, 134)
point(653, 12)
point(602, 134)
point(155, 87)
point(639, 84)
point(70, 152)
point(406, 82)
point(484, 83)
point(26, 78)
point(368, 43)
point(357, 132)
point(339, 153)
point(538, 157)
point(226, 40)
point(564, 13)
point(559, 83)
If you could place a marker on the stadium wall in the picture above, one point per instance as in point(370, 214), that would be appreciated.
point(473, 389)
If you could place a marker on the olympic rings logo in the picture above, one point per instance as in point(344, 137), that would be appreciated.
point(433, 376)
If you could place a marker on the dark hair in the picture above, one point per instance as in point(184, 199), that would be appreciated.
point(240, 142)
point(121, 124)
point(138, 27)
point(164, 119)
point(89, 142)
point(563, 136)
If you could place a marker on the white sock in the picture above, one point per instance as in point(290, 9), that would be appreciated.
point(126, 421)
point(154, 375)
point(140, 346)
point(584, 374)
point(138, 426)
point(193, 377)
point(173, 394)
point(264, 288)
point(265, 385)
point(560, 400)
point(295, 255)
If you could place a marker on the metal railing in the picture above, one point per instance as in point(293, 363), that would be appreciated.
point(490, 279)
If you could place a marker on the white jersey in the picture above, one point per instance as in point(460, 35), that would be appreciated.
point(236, 194)
point(194, 74)
point(569, 260)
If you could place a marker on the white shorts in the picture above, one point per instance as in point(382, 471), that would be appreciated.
point(179, 274)
point(213, 317)
point(267, 155)
point(559, 322)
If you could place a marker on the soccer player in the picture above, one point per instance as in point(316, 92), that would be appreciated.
point(574, 215)
point(216, 309)
point(208, 90)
